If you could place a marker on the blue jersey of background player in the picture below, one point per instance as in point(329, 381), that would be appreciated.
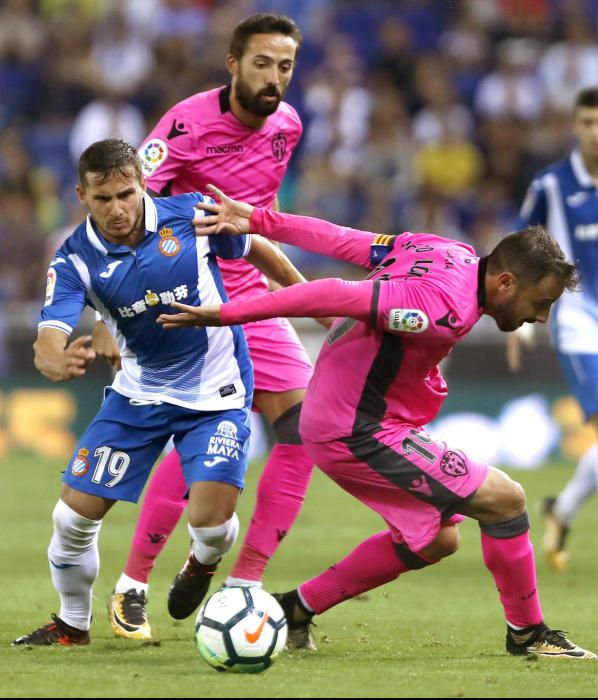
point(129, 260)
point(564, 199)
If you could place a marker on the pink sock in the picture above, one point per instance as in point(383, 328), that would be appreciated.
point(371, 564)
point(280, 494)
point(161, 510)
point(511, 562)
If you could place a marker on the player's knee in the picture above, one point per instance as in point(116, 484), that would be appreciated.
point(510, 499)
point(219, 538)
point(72, 529)
point(499, 498)
point(286, 426)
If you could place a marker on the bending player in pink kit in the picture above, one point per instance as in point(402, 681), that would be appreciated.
point(241, 137)
point(377, 382)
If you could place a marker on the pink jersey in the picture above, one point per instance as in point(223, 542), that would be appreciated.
point(379, 364)
point(199, 141)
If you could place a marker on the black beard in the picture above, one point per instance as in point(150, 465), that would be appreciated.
point(251, 102)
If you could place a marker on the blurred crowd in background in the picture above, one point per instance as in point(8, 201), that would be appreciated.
point(421, 115)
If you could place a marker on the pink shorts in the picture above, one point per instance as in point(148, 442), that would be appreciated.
point(415, 484)
point(280, 362)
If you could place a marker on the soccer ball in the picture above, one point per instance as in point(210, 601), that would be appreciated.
point(241, 629)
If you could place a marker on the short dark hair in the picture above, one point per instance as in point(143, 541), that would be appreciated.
point(262, 23)
point(531, 254)
point(106, 156)
point(587, 98)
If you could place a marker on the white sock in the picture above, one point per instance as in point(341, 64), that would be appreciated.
point(74, 563)
point(210, 543)
point(580, 487)
point(125, 583)
point(232, 581)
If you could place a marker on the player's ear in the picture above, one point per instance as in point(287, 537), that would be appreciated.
point(231, 64)
point(80, 193)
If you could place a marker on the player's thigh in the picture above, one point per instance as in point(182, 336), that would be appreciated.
point(213, 447)
point(414, 483)
point(117, 451)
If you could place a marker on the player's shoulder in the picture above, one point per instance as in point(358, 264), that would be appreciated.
point(288, 114)
point(76, 242)
point(559, 168)
point(178, 205)
point(429, 242)
point(199, 107)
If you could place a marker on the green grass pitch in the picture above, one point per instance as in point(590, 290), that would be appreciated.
point(433, 633)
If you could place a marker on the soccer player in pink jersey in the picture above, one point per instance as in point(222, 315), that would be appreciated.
point(241, 137)
point(377, 383)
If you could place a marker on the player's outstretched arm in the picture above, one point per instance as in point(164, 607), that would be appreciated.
point(315, 235)
point(326, 297)
point(58, 361)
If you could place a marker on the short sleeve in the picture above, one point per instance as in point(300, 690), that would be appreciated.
point(229, 246)
point(65, 298)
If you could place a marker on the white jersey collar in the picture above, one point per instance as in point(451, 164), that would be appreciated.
point(151, 224)
point(579, 169)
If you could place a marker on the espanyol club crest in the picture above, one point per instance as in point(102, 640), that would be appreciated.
point(168, 245)
point(80, 464)
point(279, 146)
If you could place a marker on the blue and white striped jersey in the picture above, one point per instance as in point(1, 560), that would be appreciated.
point(564, 199)
point(206, 369)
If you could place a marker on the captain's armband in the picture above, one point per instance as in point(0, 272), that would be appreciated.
point(380, 248)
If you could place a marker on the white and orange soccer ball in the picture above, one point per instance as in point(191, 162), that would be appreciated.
point(241, 629)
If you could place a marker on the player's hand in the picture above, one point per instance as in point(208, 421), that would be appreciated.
point(191, 316)
point(230, 216)
point(78, 355)
point(326, 321)
point(523, 336)
point(105, 346)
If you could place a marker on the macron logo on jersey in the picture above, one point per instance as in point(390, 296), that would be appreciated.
point(225, 148)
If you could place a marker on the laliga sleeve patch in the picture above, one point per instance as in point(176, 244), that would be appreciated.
point(408, 320)
point(50, 286)
point(152, 155)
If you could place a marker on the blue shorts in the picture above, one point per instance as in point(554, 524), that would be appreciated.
point(581, 375)
point(119, 448)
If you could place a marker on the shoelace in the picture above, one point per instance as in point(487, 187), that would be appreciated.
point(557, 638)
point(50, 632)
point(134, 606)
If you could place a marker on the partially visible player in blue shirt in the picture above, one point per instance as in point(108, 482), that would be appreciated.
point(564, 199)
point(129, 260)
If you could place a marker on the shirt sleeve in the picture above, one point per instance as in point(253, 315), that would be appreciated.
point(318, 236)
point(164, 157)
point(228, 246)
point(414, 307)
point(325, 297)
point(534, 208)
point(65, 298)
